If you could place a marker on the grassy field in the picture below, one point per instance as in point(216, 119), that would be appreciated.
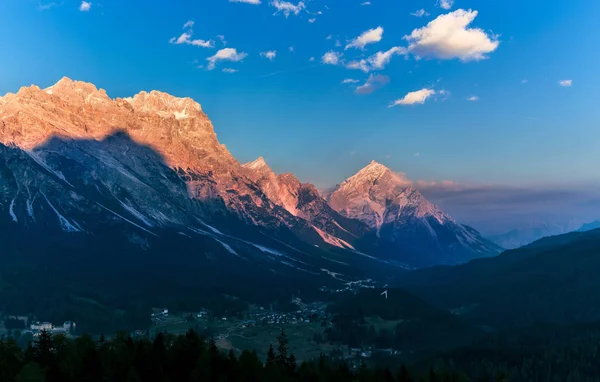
point(300, 338)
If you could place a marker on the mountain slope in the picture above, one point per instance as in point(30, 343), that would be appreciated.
point(399, 214)
point(551, 280)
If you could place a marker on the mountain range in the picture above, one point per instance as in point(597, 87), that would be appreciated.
point(143, 182)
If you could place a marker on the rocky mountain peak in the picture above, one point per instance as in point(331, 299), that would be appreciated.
point(259, 164)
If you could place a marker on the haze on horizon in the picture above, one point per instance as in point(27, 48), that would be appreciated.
point(500, 131)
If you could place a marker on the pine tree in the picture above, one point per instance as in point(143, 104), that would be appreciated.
point(282, 348)
point(292, 363)
point(43, 349)
point(271, 358)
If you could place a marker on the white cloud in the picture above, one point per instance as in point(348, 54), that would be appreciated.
point(369, 37)
point(230, 70)
point(270, 54)
point(189, 24)
point(225, 54)
point(291, 49)
point(448, 37)
point(331, 58)
point(288, 8)
point(312, 20)
point(85, 6)
point(350, 81)
point(566, 83)
point(524, 81)
point(446, 4)
point(222, 38)
point(373, 83)
point(45, 7)
point(420, 13)
point(377, 61)
point(366, 3)
point(255, 2)
point(416, 97)
point(329, 37)
point(312, 59)
point(186, 38)
point(473, 98)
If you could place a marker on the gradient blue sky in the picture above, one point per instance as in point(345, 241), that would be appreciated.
point(301, 118)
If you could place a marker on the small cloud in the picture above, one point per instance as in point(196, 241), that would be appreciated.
point(270, 54)
point(446, 4)
point(369, 37)
point(45, 7)
point(225, 54)
point(524, 81)
point(365, 3)
point(448, 37)
point(331, 58)
point(420, 13)
point(189, 24)
point(312, 59)
point(186, 38)
point(416, 97)
point(473, 98)
point(288, 8)
point(373, 83)
point(417, 154)
point(350, 81)
point(255, 2)
point(230, 70)
point(329, 37)
point(222, 38)
point(565, 83)
point(85, 6)
point(311, 21)
point(377, 61)
point(291, 49)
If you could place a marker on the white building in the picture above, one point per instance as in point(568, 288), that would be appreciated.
point(41, 326)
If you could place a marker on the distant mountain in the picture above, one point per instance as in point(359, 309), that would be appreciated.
point(554, 279)
point(589, 226)
point(398, 213)
point(525, 235)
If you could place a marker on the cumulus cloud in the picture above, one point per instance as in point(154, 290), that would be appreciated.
point(448, 37)
point(420, 13)
point(225, 54)
point(566, 83)
point(255, 2)
point(373, 83)
point(331, 58)
point(288, 8)
point(446, 4)
point(85, 6)
point(473, 98)
point(186, 38)
point(416, 97)
point(377, 61)
point(270, 54)
point(230, 70)
point(350, 81)
point(369, 37)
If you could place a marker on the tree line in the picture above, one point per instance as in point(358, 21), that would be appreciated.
point(189, 357)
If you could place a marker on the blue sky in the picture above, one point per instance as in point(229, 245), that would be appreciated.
point(524, 129)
